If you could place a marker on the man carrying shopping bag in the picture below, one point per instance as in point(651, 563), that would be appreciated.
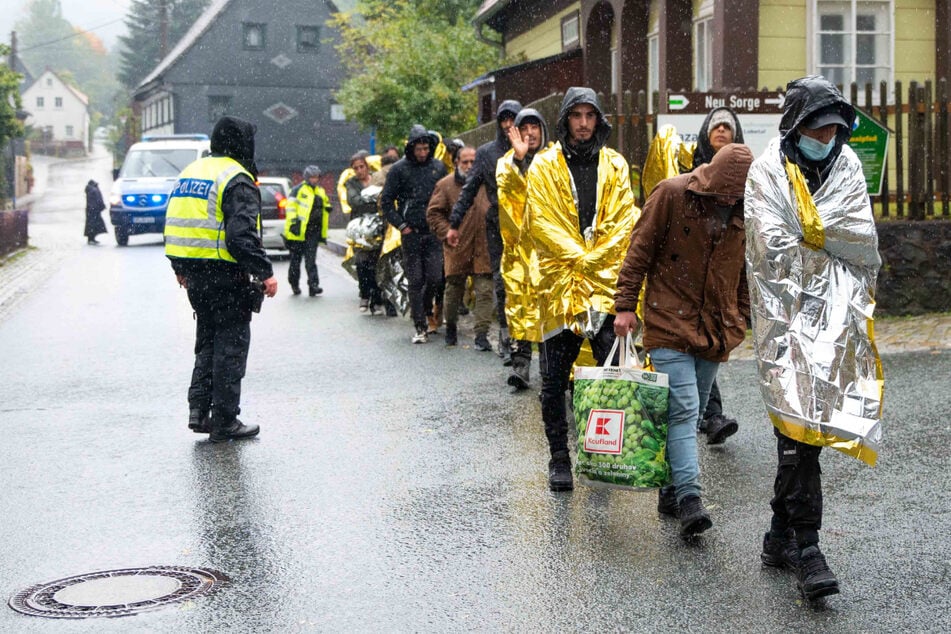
point(689, 247)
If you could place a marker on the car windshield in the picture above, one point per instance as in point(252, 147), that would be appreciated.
point(151, 163)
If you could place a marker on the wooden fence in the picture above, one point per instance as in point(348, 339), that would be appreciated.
point(917, 187)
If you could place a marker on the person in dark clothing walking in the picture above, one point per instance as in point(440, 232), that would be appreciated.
point(405, 196)
point(579, 212)
point(483, 173)
point(212, 240)
point(94, 206)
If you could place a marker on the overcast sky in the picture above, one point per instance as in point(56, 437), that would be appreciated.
point(103, 17)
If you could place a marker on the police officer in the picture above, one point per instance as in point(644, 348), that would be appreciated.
point(305, 225)
point(212, 241)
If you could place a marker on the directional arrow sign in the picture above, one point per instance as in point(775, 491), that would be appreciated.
point(776, 101)
point(677, 102)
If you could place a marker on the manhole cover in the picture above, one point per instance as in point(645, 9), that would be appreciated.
point(116, 592)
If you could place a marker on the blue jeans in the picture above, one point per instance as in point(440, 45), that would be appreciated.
point(690, 379)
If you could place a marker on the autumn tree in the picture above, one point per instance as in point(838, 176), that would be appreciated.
point(406, 61)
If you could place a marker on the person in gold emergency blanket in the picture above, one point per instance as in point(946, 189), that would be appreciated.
point(580, 213)
point(519, 266)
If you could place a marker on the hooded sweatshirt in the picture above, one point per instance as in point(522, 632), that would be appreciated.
point(704, 152)
point(583, 157)
point(692, 255)
point(410, 184)
point(483, 170)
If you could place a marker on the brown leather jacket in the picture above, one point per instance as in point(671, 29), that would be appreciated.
point(691, 253)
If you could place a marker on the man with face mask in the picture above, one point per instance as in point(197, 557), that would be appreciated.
point(469, 256)
point(579, 210)
point(212, 240)
point(812, 259)
point(519, 265)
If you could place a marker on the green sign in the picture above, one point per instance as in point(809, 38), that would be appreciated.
point(870, 143)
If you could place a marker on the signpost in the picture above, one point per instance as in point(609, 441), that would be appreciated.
point(870, 143)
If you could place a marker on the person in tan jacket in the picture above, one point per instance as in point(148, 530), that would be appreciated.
point(689, 246)
point(469, 256)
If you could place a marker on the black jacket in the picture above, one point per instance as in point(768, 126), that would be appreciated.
point(582, 159)
point(241, 207)
point(704, 152)
point(410, 184)
point(483, 170)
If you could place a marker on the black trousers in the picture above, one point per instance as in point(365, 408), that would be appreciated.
point(714, 403)
point(495, 245)
point(521, 352)
point(797, 492)
point(308, 251)
point(366, 275)
point(222, 339)
point(557, 355)
point(422, 265)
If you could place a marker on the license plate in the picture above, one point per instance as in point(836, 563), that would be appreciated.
point(143, 221)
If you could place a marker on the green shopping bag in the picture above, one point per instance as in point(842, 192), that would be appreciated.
point(621, 414)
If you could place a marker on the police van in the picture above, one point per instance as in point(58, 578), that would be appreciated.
point(140, 191)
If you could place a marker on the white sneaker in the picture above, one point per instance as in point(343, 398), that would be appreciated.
point(420, 337)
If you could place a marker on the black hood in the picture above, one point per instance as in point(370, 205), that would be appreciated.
point(578, 95)
point(704, 152)
point(805, 96)
point(531, 113)
point(234, 138)
point(509, 107)
point(416, 134)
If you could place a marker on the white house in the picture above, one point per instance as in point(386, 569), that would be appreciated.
point(60, 110)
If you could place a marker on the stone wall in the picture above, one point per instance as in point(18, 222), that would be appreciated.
point(916, 267)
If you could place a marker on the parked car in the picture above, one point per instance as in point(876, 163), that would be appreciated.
point(274, 190)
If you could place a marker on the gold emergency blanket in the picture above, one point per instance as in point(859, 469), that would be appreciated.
point(578, 274)
point(667, 156)
point(519, 264)
point(812, 262)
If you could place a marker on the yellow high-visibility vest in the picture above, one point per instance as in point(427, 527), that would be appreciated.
point(194, 221)
point(303, 201)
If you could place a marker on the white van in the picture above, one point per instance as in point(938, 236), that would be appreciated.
point(141, 190)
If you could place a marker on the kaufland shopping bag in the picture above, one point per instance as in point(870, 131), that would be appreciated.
point(621, 413)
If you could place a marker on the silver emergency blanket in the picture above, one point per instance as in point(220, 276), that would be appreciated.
point(365, 232)
point(812, 273)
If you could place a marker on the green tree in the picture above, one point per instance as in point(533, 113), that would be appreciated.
point(10, 126)
point(48, 40)
point(141, 49)
point(406, 61)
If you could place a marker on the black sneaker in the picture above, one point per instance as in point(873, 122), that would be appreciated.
point(718, 428)
point(452, 335)
point(667, 501)
point(235, 431)
point(814, 577)
point(519, 378)
point(199, 421)
point(482, 343)
point(780, 552)
point(694, 519)
point(315, 291)
point(559, 472)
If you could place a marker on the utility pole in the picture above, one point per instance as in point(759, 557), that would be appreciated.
point(163, 27)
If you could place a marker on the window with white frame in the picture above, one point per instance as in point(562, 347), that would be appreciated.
point(57, 102)
point(570, 33)
point(853, 40)
point(69, 131)
point(703, 47)
point(40, 102)
point(653, 68)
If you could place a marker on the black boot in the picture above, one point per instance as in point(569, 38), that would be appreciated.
point(199, 421)
point(718, 428)
point(520, 373)
point(559, 472)
point(694, 519)
point(505, 347)
point(452, 335)
point(295, 288)
point(780, 551)
point(814, 577)
point(236, 430)
point(667, 501)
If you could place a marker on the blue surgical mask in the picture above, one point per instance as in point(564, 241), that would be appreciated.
point(815, 150)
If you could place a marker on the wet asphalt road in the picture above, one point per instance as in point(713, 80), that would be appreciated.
point(403, 488)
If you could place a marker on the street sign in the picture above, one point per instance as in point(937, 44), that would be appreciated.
point(749, 102)
point(758, 129)
point(870, 143)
